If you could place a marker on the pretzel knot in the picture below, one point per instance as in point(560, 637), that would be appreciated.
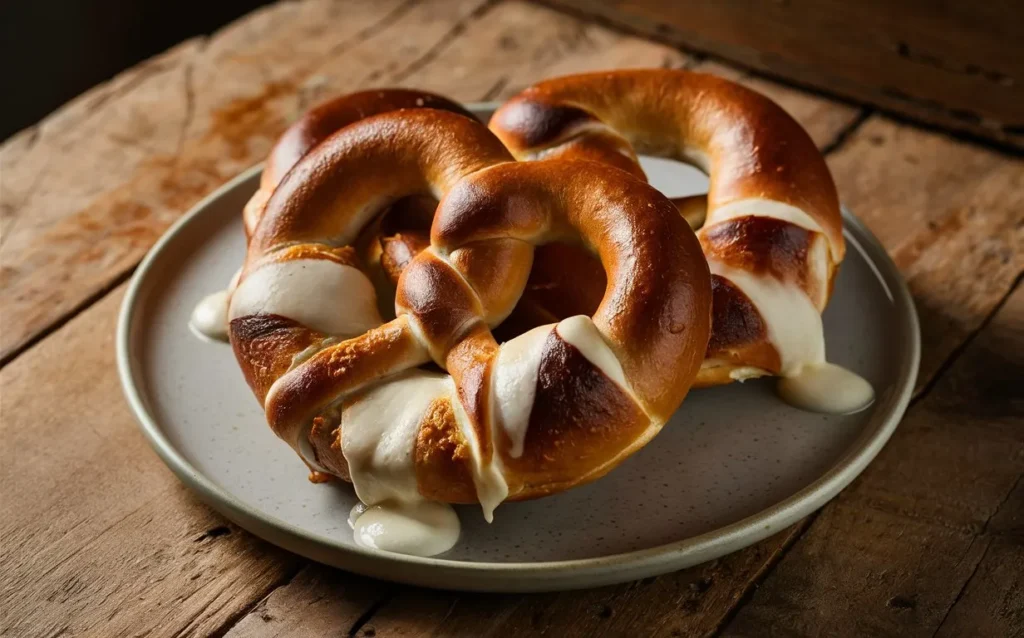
point(554, 407)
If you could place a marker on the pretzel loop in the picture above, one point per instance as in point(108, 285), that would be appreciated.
point(773, 231)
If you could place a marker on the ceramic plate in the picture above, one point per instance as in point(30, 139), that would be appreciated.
point(732, 467)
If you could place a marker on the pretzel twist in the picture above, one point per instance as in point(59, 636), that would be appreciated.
point(773, 230)
point(555, 407)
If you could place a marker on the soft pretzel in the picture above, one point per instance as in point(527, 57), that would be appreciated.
point(323, 120)
point(555, 407)
point(773, 230)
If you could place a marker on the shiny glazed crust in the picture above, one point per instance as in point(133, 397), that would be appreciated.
point(324, 120)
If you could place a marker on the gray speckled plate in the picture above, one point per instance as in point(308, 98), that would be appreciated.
point(733, 466)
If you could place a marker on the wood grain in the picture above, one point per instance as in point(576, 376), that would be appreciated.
point(958, 65)
point(912, 538)
point(992, 601)
point(689, 602)
point(320, 601)
point(99, 538)
point(950, 213)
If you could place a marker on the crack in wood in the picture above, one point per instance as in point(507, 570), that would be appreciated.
point(795, 534)
point(844, 134)
point(287, 577)
point(963, 588)
point(190, 102)
point(58, 322)
point(964, 343)
point(364, 34)
point(996, 77)
point(495, 89)
point(457, 29)
point(367, 615)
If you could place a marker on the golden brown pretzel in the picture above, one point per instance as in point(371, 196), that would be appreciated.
point(773, 233)
point(323, 120)
point(554, 408)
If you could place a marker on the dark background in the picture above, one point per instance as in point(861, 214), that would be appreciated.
point(53, 50)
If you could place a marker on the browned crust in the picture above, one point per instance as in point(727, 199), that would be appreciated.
point(338, 370)
point(325, 119)
point(336, 189)
point(442, 305)
point(471, 362)
point(761, 246)
point(443, 459)
point(328, 117)
point(325, 438)
point(398, 250)
point(532, 124)
point(755, 148)
point(738, 335)
point(345, 255)
point(581, 425)
point(656, 308)
point(264, 346)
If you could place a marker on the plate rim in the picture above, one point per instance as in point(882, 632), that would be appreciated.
point(534, 575)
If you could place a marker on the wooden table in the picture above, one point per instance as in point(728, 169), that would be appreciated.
point(99, 538)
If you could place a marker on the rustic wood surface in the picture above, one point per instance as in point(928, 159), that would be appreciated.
point(98, 538)
point(958, 64)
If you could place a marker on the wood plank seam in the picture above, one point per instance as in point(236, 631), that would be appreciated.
point(963, 345)
point(751, 587)
point(961, 136)
point(64, 318)
point(622, 27)
point(457, 29)
point(845, 133)
point(662, 35)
